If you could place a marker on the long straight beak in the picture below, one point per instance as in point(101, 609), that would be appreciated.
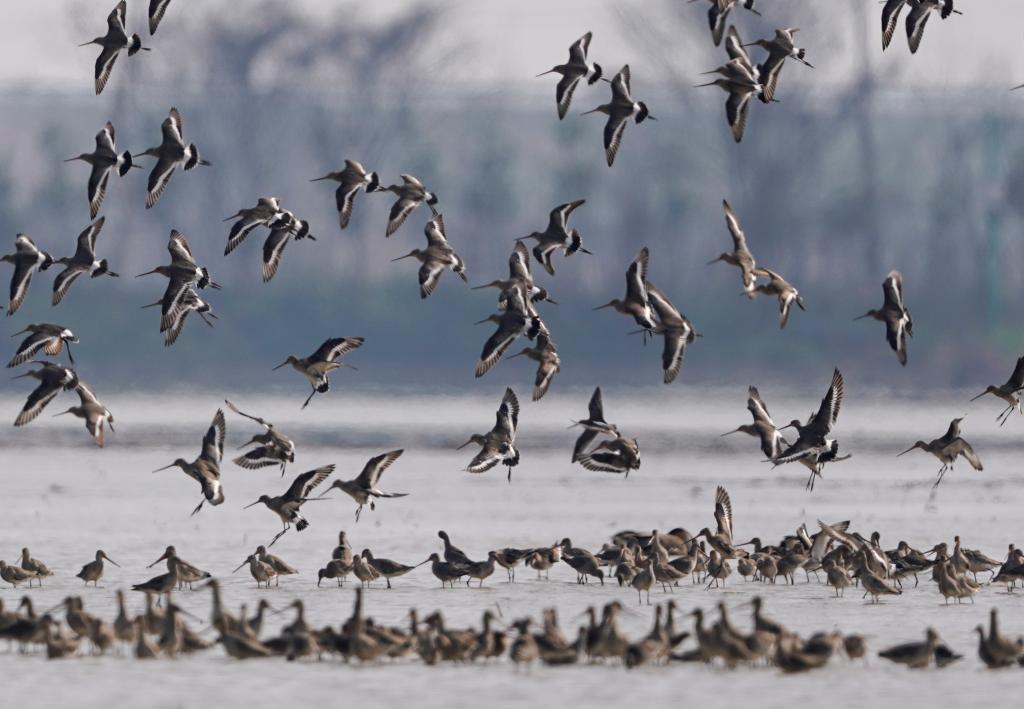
point(111, 561)
point(980, 395)
point(250, 505)
point(464, 444)
point(279, 366)
point(587, 112)
point(166, 467)
point(86, 44)
point(401, 257)
point(317, 179)
point(697, 86)
point(478, 322)
point(729, 433)
point(585, 251)
point(146, 273)
point(78, 158)
point(241, 565)
point(157, 561)
point(602, 307)
point(61, 414)
point(906, 451)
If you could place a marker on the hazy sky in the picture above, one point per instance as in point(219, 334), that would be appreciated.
point(981, 47)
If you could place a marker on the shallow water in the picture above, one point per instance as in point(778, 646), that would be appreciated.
point(71, 498)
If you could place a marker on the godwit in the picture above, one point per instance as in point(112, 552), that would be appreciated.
point(15, 574)
point(916, 655)
point(947, 448)
point(280, 234)
point(519, 278)
point(621, 108)
point(548, 363)
point(572, 71)
point(636, 303)
point(363, 489)
point(92, 412)
point(26, 259)
point(1008, 392)
point(812, 441)
point(206, 468)
point(350, 179)
point(452, 554)
point(274, 447)
point(46, 337)
point(411, 194)
point(499, 444)
point(445, 572)
point(287, 506)
point(593, 426)
point(434, 259)
point(1002, 651)
point(188, 302)
point(920, 11)
point(267, 212)
point(741, 79)
point(279, 565)
point(40, 569)
point(557, 236)
point(182, 273)
point(780, 48)
point(718, 13)
point(890, 17)
point(740, 255)
point(675, 329)
point(772, 442)
point(618, 455)
point(157, 8)
point(83, 261)
point(52, 379)
point(93, 571)
point(387, 568)
point(261, 572)
point(895, 316)
point(188, 574)
point(317, 367)
point(169, 154)
point(103, 160)
point(781, 288)
point(115, 40)
point(517, 319)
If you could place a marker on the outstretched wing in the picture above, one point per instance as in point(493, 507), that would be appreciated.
point(376, 466)
point(307, 482)
point(337, 347)
point(213, 441)
point(508, 414)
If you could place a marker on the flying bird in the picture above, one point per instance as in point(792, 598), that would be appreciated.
point(47, 337)
point(674, 327)
point(636, 303)
point(572, 72)
point(517, 319)
point(1008, 392)
point(781, 289)
point(171, 152)
point(741, 79)
point(52, 378)
point(519, 282)
point(267, 212)
point(411, 194)
point(27, 258)
point(895, 315)
point(621, 108)
point(618, 455)
point(920, 11)
point(206, 468)
point(115, 40)
point(740, 256)
point(182, 274)
point(545, 354)
point(593, 426)
point(83, 261)
point(280, 234)
point(813, 443)
point(317, 367)
point(763, 428)
point(718, 14)
point(499, 444)
point(437, 257)
point(288, 505)
point(779, 48)
point(92, 412)
point(157, 8)
point(947, 448)
point(174, 323)
point(104, 159)
point(557, 236)
point(272, 446)
point(350, 179)
point(363, 489)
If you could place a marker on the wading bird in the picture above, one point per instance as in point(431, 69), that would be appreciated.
point(740, 255)
point(437, 257)
point(363, 489)
point(93, 571)
point(189, 302)
point(171, 152)
point(636, 303)
point(621, 108)
point(518, 318)
point(895, 316)
point(920, 11)
point(411, 194)
point(47, 337)
point(763, 428)
point(104, 159)
point(593, 426)
point(83, 261)
point(287, 506)
point(268, 212)
point(115, 40)
point(781, 289)
point(545, 354)
point(1008, 391)
point(572, 71)
point(26, 259)
point(947, 448)
point(274, 448)
point(317, 367)
point(741, 79)
point(499, 444)
point(718, 13)
point(618, 455)
point(92, 412)
point(557, 236)
point(182, 273)
point(780, 48)
point(813, 442)
point(675, 329)
point(280, 234)
point(52, 379)
point(353, 177)
point(157, 8)
point(206, 468)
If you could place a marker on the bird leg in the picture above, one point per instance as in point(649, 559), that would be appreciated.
point(308, 398)
point(358, 510)
point(198, 507)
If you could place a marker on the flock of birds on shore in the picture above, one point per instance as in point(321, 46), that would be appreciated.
point(639, 560)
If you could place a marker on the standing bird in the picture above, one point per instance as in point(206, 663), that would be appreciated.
point(115, 40)
point(103, 160)
point(772, 442)
point(548, 363)
point(206, 468)
point(780, 288)
point(557, 236)
point(920, 11)
point(572, 71)
point(274, 447)
point(411, 194)
point(813, 442)
point(93, 412)
point(182, 274)
point(93, 571)
point(26, 259)
point(718, 13)
point(518, 318)
point(740, 255)
point(47, 337)
point(1008, 392)
point(363, 489)
point(350, 179)
point(83, 261)
point(317, 367)
point(52, 379)
point(895, 315)
point(593, 426)
point(619, 455)
point(674, 327)
point(636, 303)
point(947, 448)
point(157, 8)
point(498, 444)
point(621, 108)
point(171, 152)
point(434, 259)
point(287, 506)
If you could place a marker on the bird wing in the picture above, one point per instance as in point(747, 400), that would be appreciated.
point(606, 458)
point(668, 314)
point(508, 414)
point(828, 412)
point(757, 408)
point(487, 458)
point(336, 347)
point(159, 178)
point(86, 395)
point(435, 231)
point(179, 248)
point(157, 8)
point(613, 130)
point(259, 457)
point(20, 281)
point(546, 371)
point(519, 263)
point(115, 20)
point(578, 50)
point(40, 397)
point(32, 344)
point(213, 441)
point(892, 288)
point(673, 353)
point(63, 282)
point(559, 216)
point(273, 249)
point(723, 512)
point(1016, 381)
point(916, 21)
point(736, 108)
point(596, 406)
point(86, 249)
point(962, 447)
point(429, 276)
point(173, 128)
point(636, 277)
point(890, 17)
point(509, 328)
point(96, 190)
point(307, 482)
point(412, 181)
point(739, 239)
point(104, 65)
point(375, 467)
point(620, 86)
point(583, 443)
point(344, 199)
point(734, 46)
point(564, 90)
point(400, 211)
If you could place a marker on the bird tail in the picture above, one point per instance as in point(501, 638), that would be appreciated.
point(126, 163)
point(302, 523)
